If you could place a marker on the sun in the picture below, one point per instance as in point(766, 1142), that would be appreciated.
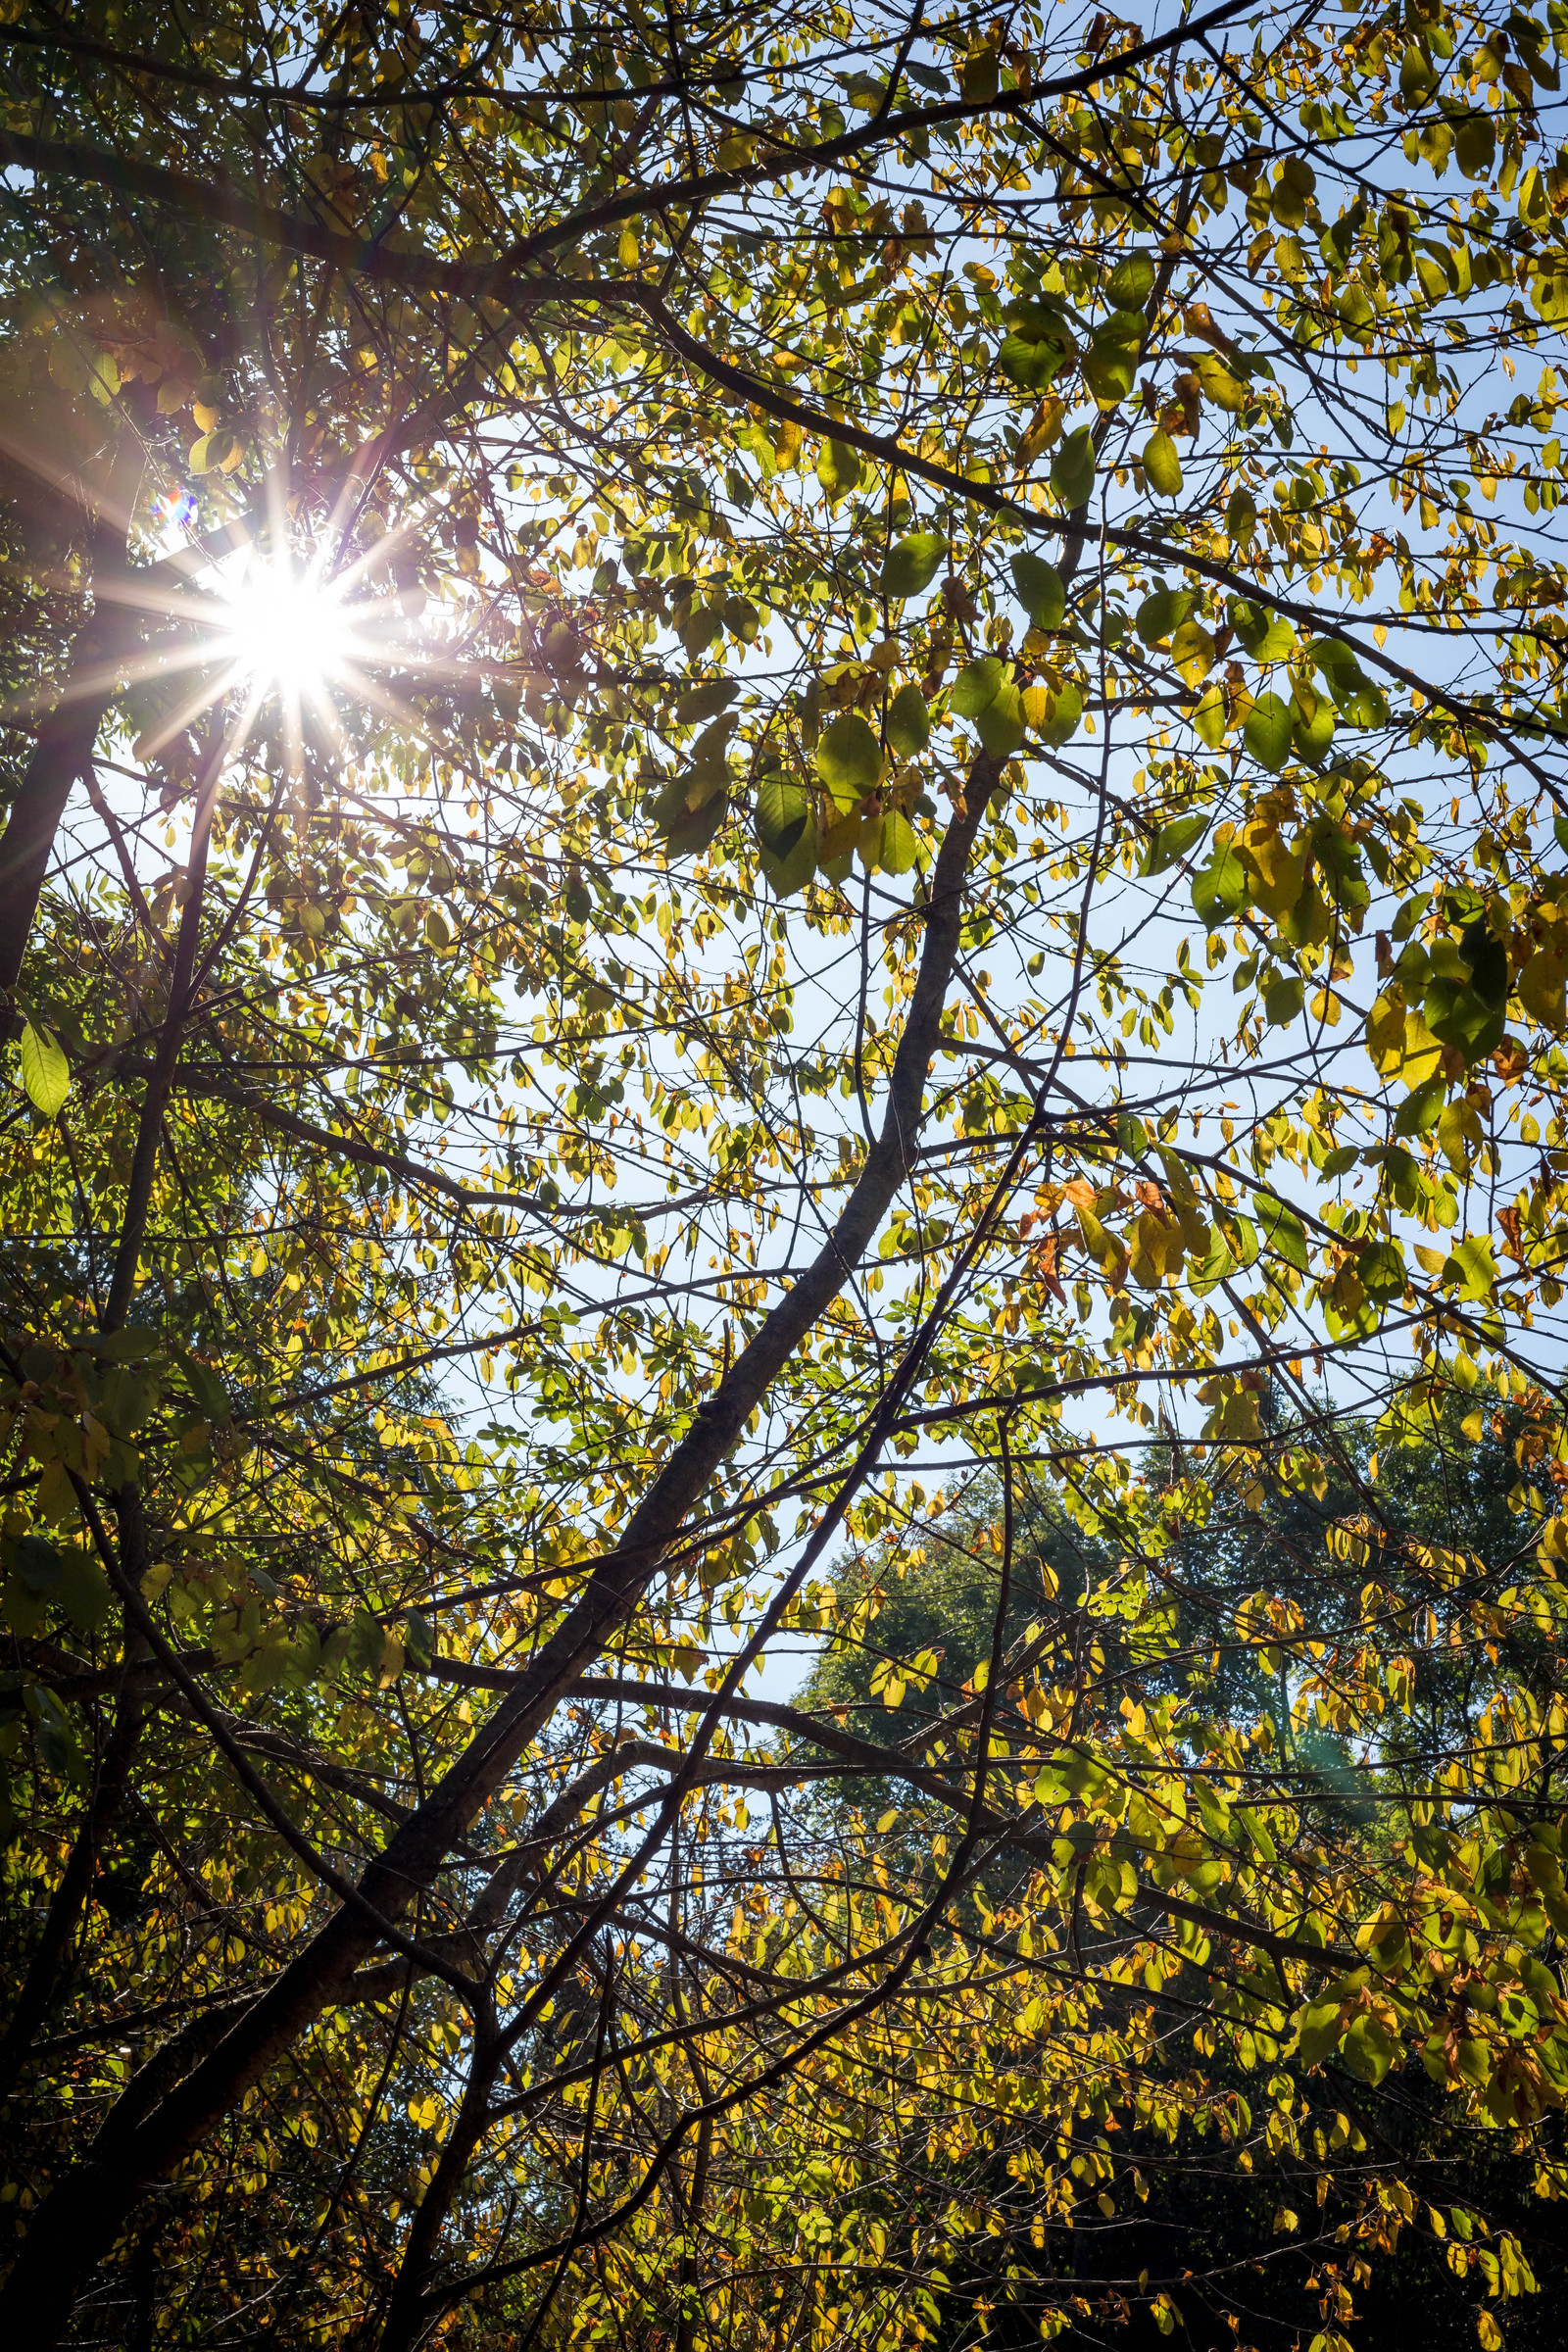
point(285, 627)
point(292, 645)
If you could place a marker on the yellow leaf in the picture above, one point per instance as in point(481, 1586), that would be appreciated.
point(1103, 1248)
point(1278, 871)
point(1224, 389)
point(46, 1071)
point(55, 1498)
point(839, 469)
point(1541, 990)
point(1192, 652)
point(1400, 1043)
point(1385, 1032)
point(1045, 428)
point(1209, 719)
point(1459, 1133)
point(1163, 466)
point(1422, 1056)
point(1155, 1252)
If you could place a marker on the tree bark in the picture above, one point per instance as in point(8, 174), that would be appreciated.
point(65, 738)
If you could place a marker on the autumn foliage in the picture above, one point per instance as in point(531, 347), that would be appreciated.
point(784, 802)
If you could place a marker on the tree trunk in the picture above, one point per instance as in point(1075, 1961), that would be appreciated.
point(65, 738)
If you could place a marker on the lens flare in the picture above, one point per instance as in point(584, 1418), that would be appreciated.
point(285, 629)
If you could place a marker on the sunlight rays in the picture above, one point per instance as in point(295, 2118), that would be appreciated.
point(266, 635)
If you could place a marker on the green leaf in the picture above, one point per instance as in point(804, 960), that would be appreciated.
point(909, 724)
point(978, 74)
point(83, 1592)
point(1037, 348)
point(46, 1071)
point(1258, 1830)
point(1542, 989)
point(1172, 840)
point(1475, 146)
point(897, 848)
point(1001, 724)
point(1382, 1271)
point(1220, 384)
point(1368, 2049)
point(1267, 733)
point(788, 874)
point(1240, 515)
point(1336, 665)
point(1030, 365)
point(1488, 959)
point(366, 1644)
point(1312, 737)
point(1471, 1268)
point(57, 1750)
point(37, 1563)
point(1366, 707)
point(1420, 1111)
point(1359, 701)
point(1210, 719)
point(1418, 76)
point(708, 771)
point(1242, 1236)
point(839, 469)
point(1162, 613)
point(1282, 1230)
point(913, 563)
point(784, 825)
point(1458, 1015)
point(207, 1389)
point(1317, 2033)
point(686, 831)
point(783, 813)
point(1219, 889)
point(1162, 467)
point(1064, 711)
point(1265, 638)
point(977, 684)
point(704, 701)
point(1040, 590)
point(849, 758)
point(1111, 370)
point(1072, 469)
point(1282, 1000)
point(1132, 281)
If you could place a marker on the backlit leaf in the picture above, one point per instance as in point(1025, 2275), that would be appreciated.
point(46, 1071)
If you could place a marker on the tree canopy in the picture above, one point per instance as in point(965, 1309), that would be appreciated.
point(781, 791)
